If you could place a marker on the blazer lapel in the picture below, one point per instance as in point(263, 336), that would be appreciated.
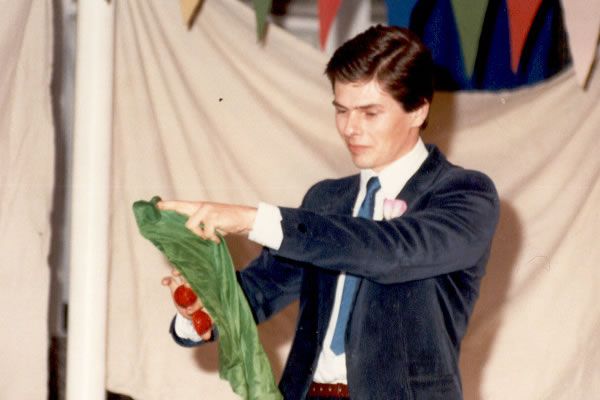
point(342, 197)
point(347, 196)
point(423, 178)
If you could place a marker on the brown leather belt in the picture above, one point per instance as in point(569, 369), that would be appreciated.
point(328, 390)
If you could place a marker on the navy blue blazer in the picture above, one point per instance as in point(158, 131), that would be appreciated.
point(420, 279)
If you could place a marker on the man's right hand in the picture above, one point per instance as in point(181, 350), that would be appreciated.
point(174, 281)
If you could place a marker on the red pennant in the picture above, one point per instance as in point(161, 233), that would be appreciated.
point(328, 9)
point(520, 18)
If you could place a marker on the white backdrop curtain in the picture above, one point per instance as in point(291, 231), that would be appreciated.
point(209, 113)
point(26, 178)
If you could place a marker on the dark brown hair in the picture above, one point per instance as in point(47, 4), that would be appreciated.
point(394, 56)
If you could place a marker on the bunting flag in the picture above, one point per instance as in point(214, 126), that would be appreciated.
point(520, 18)
point(582, 20)
point(399, 12)
point(328, 9)
point(434, 22)
point(262, 8)
point(469, 17)
point(189, 10)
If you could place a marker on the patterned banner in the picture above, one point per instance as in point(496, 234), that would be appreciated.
point(469, 17)
point(520, 17)
point(399, 12)
point(328, 9)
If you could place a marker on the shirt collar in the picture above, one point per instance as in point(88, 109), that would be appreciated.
point(394, 176)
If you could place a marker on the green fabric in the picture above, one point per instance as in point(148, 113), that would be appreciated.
point(209, 270)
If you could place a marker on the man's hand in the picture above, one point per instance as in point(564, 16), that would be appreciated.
point(174, 281)
point(207, 219)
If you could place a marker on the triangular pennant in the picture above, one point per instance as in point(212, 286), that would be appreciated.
point(399, 12)
point(262, 8)
point(189, 10)
point(520, 18)
point(469, 18)
point(582, 20)
point(328, 9)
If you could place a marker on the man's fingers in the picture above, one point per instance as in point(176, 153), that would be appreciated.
point(215, 238)
point(183, 207)
point(195, 228)
point(194, 221)
point(202, 225)
point(193, 308)
point(173, 282)
point(210, 232)
point(198, 231)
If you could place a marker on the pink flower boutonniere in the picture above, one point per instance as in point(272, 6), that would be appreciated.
point(393, 208)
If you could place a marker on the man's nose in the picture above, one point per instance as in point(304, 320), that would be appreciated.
point(352, 126)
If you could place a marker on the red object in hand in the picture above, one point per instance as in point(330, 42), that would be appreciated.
point(202, 322)
point(184, 296)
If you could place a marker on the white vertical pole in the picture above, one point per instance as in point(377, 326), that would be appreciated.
point(86, 352)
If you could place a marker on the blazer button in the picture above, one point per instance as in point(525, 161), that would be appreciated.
point(302, 228)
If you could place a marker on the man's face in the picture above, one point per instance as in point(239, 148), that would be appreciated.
point(374, 126)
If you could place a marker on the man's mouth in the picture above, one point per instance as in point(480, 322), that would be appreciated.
point(357, 148)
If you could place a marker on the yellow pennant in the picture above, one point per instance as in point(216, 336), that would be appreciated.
point(189, 10)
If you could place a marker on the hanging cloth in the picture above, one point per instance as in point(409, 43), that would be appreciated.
point(208, 268)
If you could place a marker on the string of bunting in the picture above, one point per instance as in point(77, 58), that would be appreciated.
point(262, 8)
point(581, 17)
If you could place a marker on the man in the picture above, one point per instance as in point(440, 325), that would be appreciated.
point(384, 304)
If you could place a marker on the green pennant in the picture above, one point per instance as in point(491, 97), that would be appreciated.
point(469, 16)
point(262, 8)
point(209, 270)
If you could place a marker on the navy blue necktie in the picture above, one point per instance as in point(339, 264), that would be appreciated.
point(365, 211)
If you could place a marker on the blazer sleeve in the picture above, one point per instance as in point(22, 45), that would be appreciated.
point(270, 283)
point(451, 230)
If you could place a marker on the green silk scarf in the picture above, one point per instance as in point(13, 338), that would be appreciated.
point(208, 268)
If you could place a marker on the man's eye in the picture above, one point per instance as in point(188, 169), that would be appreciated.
point(370, 114)
point(339, 111)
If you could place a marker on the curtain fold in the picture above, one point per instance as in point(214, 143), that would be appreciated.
point(26, 179)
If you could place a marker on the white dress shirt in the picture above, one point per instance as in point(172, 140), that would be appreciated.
point(267, 231)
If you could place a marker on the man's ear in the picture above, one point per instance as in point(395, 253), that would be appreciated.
point(419, 115)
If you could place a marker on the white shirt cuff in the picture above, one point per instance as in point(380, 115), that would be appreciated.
point(266, 230)
point(184, 328)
